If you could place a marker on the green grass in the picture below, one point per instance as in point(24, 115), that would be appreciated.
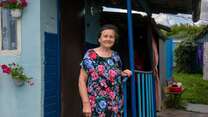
point(196, 89)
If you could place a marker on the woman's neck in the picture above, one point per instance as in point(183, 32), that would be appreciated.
point(103, 52)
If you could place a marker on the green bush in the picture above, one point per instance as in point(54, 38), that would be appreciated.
point(185, 56)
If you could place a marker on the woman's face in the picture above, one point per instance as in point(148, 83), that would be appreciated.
point(107, 38)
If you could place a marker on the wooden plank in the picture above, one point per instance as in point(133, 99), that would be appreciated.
point(143, 96)
point(139, 94)
point(52, 77)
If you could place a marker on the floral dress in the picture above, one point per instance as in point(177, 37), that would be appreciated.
point(104, 84)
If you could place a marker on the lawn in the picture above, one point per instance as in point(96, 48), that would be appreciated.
point(196, 89)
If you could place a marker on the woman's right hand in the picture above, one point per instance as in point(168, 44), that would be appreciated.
point(87, 109)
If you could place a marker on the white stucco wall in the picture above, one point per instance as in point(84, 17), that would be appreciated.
point(24, 101)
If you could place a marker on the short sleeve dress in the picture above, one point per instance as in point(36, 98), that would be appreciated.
point(104, 84)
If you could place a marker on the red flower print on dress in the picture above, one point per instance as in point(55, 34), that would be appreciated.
point(102, 114)
point(108, 90)
point(93, 55)
point(91, 70)
point(112, 95)
point(92, 98)
point(100, 69)
point(115, 109)
point(102, 93)
point(111, 79)
point(112, 73)
point(92, 102)
point(103, 83)
point(94, 75)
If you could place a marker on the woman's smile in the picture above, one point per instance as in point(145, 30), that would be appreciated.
point(107, 38)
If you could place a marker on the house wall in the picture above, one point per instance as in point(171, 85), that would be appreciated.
point(24, 101)
point(162, 66)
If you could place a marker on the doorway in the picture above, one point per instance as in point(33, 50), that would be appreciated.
point(72, 32)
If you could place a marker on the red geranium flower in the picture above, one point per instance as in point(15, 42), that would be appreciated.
point(17, 72)
point(13, 4)
point(4, 66)
point(12, 1)
point(6, 69)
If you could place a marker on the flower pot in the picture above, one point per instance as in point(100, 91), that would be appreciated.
point(18, 83)
point(175, 89)
point(16, 13)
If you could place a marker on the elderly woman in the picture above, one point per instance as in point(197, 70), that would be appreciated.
point(100, 77)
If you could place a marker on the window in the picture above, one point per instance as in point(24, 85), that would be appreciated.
point(9, 34)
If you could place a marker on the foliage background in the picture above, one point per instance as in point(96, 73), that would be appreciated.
point(186, 51)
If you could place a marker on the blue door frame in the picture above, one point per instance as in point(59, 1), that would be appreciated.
point(52, 76)
point(52, 71)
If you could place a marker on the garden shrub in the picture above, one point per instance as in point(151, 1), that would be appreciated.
point(186, 57)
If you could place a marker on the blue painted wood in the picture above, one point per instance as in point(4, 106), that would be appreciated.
point(125, 96)
point(52, 76)
point(143, 96)
point(169, 58)
point(131, 57)
point(147, 93)
point(150, 95)
point(153, 97)
point(139, 94)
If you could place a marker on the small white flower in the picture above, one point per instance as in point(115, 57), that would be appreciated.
point(179, 84)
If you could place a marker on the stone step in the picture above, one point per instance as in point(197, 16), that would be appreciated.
point(201, 108)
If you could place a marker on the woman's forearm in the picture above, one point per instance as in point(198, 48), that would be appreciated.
point(82, 86)
point(83, 91)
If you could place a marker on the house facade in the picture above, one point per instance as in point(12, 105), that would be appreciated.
point(37, 18)
point(49, 45)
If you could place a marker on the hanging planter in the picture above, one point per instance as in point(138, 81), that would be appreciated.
point(16, 7)
point(17, 74)
point(16, 13)
point(18, 83)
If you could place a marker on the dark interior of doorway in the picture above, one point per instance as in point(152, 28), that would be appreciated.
point(142, 44)
point(72, 33)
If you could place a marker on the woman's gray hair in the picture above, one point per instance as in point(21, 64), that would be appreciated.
point(106, 27)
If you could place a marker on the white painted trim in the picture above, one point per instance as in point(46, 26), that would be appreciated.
point(177, 41)
point(16, 52)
